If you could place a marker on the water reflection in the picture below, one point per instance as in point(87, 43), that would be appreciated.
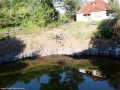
point(65, 78)
point(106, 76)
point(92, 73)
point(111, 70)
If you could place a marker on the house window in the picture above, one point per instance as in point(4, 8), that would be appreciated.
point(86, 15)
point(93, 3)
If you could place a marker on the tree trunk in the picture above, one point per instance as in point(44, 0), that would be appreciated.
point(113, 1)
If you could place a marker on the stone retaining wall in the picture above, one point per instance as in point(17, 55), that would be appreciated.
point(111, 51)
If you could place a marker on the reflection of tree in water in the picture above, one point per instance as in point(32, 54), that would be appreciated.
point(114, 83)
point(109, 67)
point(9, 80)
point(65, 78)
point(69, 81)
point(111, 70)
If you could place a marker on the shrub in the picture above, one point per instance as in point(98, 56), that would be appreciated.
point(106, 29)
point(63, 19)
point(106, 32)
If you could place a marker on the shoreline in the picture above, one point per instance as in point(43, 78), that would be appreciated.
point(111, 51)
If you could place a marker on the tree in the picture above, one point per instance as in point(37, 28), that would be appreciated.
point(71, 81)
point(113, 1)
point(17, 12)
point(72, 6)
point(115, 8)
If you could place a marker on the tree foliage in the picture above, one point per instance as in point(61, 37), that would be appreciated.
point(72, 6)
point(115, 8)
point(17, 12)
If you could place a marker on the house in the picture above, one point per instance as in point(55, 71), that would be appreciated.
point(95, 10)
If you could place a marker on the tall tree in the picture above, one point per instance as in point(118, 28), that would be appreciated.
point(72, 6)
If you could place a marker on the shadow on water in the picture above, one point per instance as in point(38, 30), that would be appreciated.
point(10, 48)
point(12, 67)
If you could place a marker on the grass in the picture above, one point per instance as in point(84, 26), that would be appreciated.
point(73, 29)
point(80, 34)
point(21, 30)
point(79, 30)
point(29, 27)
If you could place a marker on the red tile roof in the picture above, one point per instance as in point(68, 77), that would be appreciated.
point(96, 5)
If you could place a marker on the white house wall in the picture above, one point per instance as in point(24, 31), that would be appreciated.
point(94, 16)
point(101, 15)
point(98, 16)
point(80, 17)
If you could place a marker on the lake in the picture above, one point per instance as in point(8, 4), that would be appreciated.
point(73, 73)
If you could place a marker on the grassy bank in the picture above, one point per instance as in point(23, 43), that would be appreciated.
point(72, 29)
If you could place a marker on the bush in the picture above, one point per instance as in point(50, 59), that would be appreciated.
point(106, 29)
point(63, 19)
point(107, 32)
